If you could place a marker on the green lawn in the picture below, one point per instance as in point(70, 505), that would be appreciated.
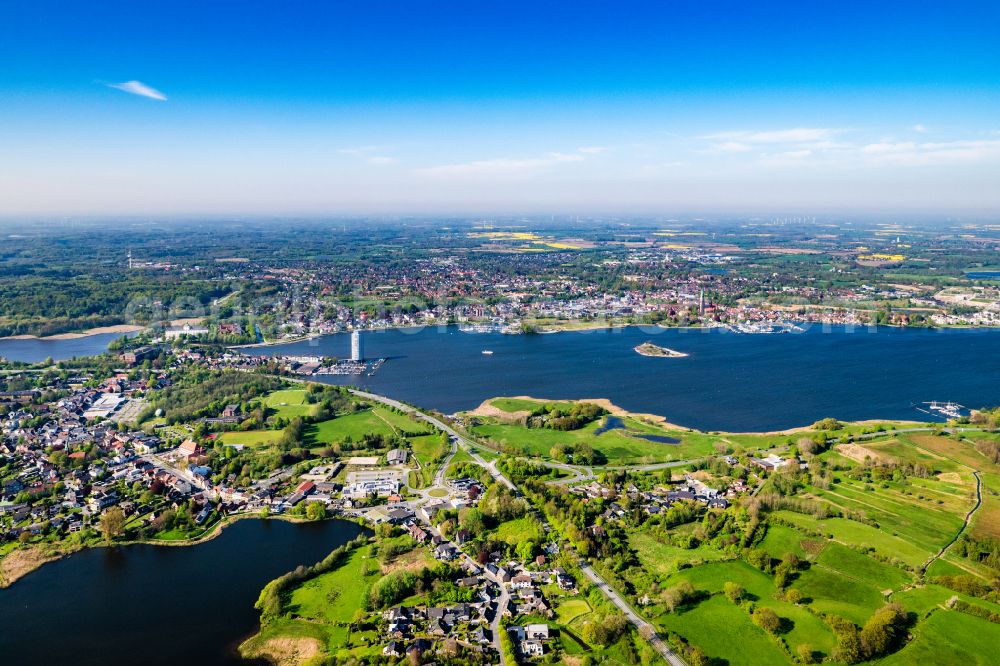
point(288, 403)
point(251, 438)
point(569, 609)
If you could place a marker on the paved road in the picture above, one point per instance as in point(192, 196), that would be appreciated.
point(646, 630)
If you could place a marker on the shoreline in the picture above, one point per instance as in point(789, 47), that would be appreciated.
point(59, 553)
point(99, 330)
point(486, 409)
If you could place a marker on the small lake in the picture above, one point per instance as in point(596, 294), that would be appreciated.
point(615, 423)
point(729, 381)
point(33, 350)
point(157, 605)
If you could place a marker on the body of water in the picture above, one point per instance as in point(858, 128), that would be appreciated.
point(729, 381)
point(156, 605)
point(33, 350)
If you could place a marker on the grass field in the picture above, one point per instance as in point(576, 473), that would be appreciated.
point(569, 609)
point(513, 405)
point(854, 565)
point(428, 448)
point(830, 591)
point(288, 403)
point(780, 540)
point(334, 596)
point(663, 558)
point(354, 425)
point(745, 644)
point(516, 531)
point(616, 445)
point(251, 438)
point(950, 637)
point(401, 423)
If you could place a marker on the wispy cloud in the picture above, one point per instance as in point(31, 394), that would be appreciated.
point(381, 160)
point(501, 166)
point(792, 135)
point(911, 153)
point(139, 88)
point(730, 147)
point(358, 151)
point(919, 128)
point(592, 150)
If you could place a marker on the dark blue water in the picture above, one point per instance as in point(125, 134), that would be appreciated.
point(35, 349)
point(983, 275)
point(156, 605)
point(729, 381)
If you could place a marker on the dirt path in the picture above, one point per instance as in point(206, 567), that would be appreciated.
point(965, 525)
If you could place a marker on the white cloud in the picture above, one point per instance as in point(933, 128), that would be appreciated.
point(919, 128)
point(592, 150)
point(139, 88)
point(909, 153)
point(730, 147)
point(883, 147)
point(500, 166)
point(381, 160)
point(793, 135)
point(359, 150)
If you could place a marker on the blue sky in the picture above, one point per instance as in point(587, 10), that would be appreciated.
point(422, 107)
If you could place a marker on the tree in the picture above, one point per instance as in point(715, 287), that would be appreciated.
point(734, 591)
point(316, 511)
point(678, 595)
point(525, 550)
point(848, 650)
point(113, 523)
point(793, 596)
point(766, 619)
point(696, 657)
point(806, 654)
point(471, 520)
point(882, 630)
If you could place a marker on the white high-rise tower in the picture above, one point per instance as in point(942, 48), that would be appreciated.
point(357, 350)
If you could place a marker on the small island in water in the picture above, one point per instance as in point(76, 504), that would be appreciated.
point(649, 349)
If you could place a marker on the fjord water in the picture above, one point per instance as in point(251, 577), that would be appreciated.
point(33, 350)
point(156, 605)
point(728, 381)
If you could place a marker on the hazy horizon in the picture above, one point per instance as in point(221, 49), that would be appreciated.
point(509, 109)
